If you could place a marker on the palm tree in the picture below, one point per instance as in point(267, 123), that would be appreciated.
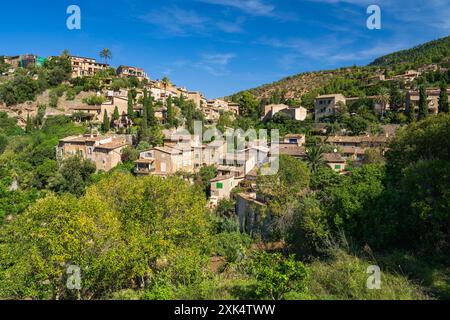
point(106, 54)
point(383, 98)
point(314, 156)
point(65, 53)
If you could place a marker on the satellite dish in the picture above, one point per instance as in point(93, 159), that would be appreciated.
point(335, 151)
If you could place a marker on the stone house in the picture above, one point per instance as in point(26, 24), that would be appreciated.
point(104, 151)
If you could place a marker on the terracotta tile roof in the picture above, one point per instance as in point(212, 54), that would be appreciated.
point(333, 157)
point(168, 150)
point(145, 161)
point(352, 150)
point(111, 146)
point(293, 135)
point(292, 150)
point(222, 178)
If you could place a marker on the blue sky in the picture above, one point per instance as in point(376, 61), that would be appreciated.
point(223, 46)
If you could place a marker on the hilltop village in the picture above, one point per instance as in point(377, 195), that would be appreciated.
point(287, 191)
point(124, 109)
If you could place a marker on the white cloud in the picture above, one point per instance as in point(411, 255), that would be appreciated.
point(329, 50)
point(216, 64)
point(252, 7)
point(177, 21)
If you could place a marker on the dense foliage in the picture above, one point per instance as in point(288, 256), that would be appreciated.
point(432, 52)
point(124, 233)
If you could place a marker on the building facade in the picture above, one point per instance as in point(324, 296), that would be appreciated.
point(327, 105)
point(104, 151)
point(85, 67)
point(126, 72)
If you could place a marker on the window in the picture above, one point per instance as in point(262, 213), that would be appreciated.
point(338, 167)
point(219, 185)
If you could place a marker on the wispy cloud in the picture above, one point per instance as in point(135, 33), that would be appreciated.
point(177, 21)
point(216, 64)
point(329, 50)
point(434, 13)
point(252, 7)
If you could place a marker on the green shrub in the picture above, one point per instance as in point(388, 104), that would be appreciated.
point(344, 277)
point(94, 100)
point(231, 245)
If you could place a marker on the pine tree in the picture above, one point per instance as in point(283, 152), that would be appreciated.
point(443, 98)
point(29, 124)
point(106, 122)
point(423, 103)
point(151, 119)
point(144, 114)
point(130, 110)
point(411, 113)
point(116, 114)
point(170, 112)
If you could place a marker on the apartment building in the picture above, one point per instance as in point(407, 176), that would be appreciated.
point(327, 105)
point(127, 71)
point(85, 67)
point(413, 98)
point(105, 151)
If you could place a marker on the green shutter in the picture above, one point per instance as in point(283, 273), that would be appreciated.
point(219, 185)
point(338, 167)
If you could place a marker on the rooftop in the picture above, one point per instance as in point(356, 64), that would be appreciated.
point(293, 135)
point(329, 96)
point(333, 157)
point(355, 139)
point(168, 150)
point(145, 161)
point(292, 150)
point(222, 178)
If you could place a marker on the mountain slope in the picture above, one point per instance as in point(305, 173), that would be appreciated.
point(355, 80)
point(437, 51)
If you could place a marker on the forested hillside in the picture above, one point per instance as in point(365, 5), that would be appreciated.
point(353, 81)
point(437, 51)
